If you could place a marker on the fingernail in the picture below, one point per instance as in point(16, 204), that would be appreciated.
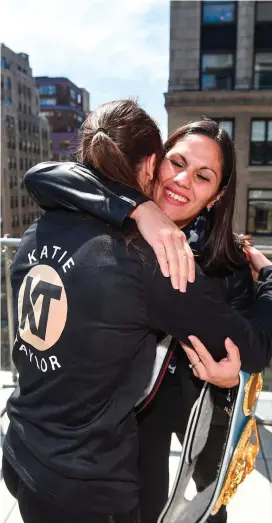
point(175, 285)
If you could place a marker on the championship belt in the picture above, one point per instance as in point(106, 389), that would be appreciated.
point(237, 459)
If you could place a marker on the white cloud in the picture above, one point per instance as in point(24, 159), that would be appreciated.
point(105, 37)
point(103, 45)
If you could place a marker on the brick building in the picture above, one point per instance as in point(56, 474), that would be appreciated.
point(65, 106)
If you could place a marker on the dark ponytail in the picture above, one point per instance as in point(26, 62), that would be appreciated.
point(115, 139)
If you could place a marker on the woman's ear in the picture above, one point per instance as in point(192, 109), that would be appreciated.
point(150, 166)
point(215, 199)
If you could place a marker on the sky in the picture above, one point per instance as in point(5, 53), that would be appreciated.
point(114, 48)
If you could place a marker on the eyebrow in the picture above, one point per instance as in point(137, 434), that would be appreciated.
point(201, 168)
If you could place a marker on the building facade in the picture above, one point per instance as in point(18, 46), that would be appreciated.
point(24, 140)
point(65, 106)
point(221, 67)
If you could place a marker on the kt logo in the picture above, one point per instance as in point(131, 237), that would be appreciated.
point(42, 307)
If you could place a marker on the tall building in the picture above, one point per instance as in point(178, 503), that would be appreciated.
point(65, 106)
point(24, 140)
point(221, 67)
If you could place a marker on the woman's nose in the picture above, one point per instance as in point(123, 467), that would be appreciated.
point(183, 179)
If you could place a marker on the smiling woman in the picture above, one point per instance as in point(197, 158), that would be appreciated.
point(190, 177)
point(198, 174)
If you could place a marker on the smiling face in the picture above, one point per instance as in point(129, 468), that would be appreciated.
point(189, 179)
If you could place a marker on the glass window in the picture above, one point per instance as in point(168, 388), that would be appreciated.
point(217, 71)
point(258, 131)
point(259, 211)
point(269, 131)
point(8, 83)
point(263, 71)
point(47, 89)
point(264, 12)
point(4, 63)
point(73, 94)
point(228, 126)
point(218, 12)
point(47, 101)
point(261, 142)
point(79, 98)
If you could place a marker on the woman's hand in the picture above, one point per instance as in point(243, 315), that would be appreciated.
point(256, 259)
point(224, 374)
point(168, 242)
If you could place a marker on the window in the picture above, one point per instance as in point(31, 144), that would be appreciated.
point(73, 94)
point(261, 142)
point(79, 98)
point(47, 89)
point(218, 12)
point(264, 12)
point(48, 114)
point(259, 220)
point(47, 101)
point(228, 125)
point(4, 63)
point(217, 72)
point(79, 118)
point(64, 145)
point(263, 71)
point(8, 83)
point(21, 163)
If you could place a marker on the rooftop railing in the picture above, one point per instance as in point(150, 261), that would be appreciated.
point(8, 248)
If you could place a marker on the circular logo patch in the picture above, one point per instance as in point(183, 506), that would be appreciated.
point(42, 307)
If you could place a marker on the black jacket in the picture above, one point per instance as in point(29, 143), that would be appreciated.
point(68, 185)
point(89, 308)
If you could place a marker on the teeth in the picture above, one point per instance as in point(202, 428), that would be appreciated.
point(176, 196)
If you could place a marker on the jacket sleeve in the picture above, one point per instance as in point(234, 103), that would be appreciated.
point(203, 312)
point(241, 289)
point(72, 186)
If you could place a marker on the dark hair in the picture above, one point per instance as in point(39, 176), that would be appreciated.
point(220, 251)
point(116, 137)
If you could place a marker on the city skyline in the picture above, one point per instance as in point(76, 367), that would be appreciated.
point(124, 44)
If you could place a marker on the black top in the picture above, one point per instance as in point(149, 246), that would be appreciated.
point(89, 308)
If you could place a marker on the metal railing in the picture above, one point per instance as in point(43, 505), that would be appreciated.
point(7, 247)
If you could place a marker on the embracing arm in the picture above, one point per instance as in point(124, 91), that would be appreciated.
point(202, 312)
point(72, 186)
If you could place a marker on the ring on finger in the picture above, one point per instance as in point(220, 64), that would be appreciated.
point(193, 365)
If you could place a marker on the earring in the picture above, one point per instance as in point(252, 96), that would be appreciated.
point(210, 208)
